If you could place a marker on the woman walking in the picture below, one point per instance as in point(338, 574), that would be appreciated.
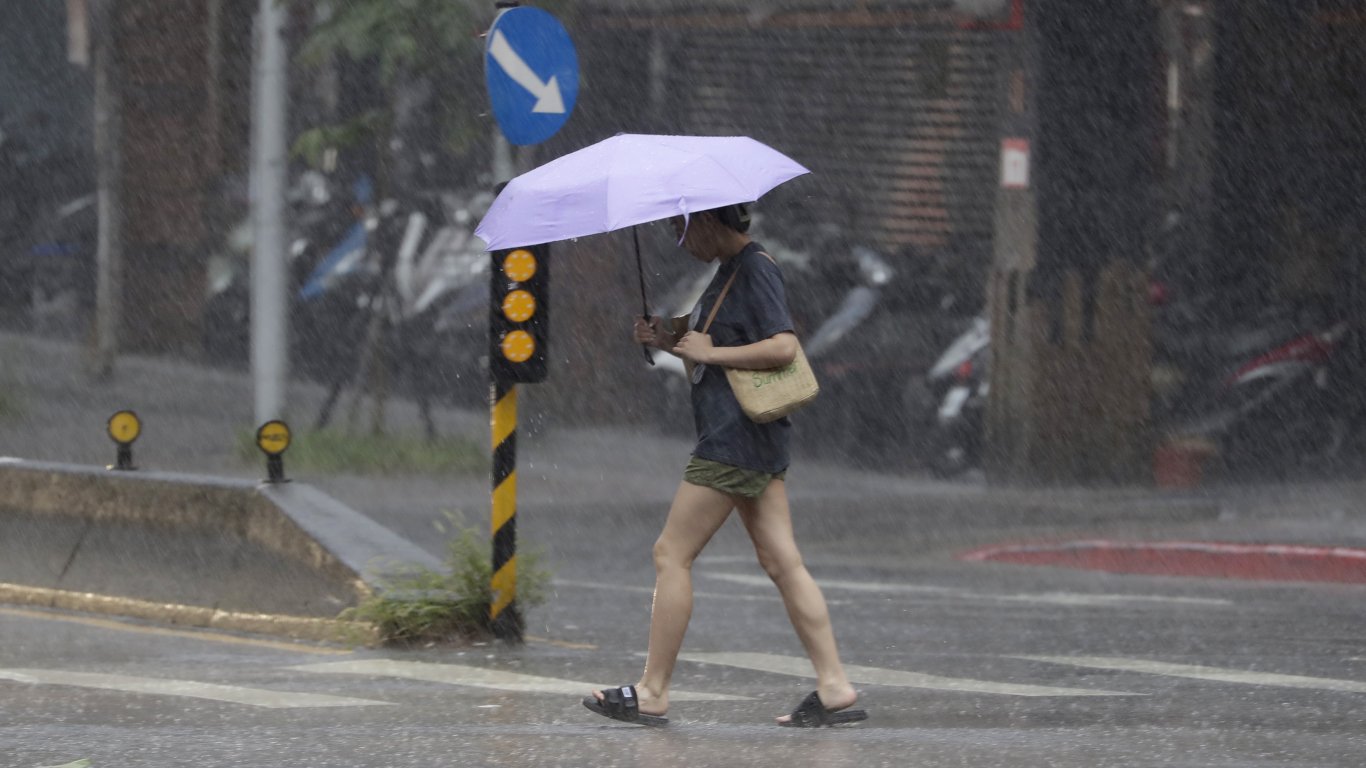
point(737, 465)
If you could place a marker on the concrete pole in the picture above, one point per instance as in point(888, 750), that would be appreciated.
point(504, 168)
point(269, 327)
point(502, 158)
point(109, 167)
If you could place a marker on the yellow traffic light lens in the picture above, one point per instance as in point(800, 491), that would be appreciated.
point(519, 306)
point(518, 346)
point(520, 265)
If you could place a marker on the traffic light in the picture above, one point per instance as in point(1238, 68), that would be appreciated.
point(520, 325)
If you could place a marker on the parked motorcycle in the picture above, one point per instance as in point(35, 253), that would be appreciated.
point(1274, 391)
point(956, 388)
point(1286, 404)
point(324, 241)
point(47, 227)
point(61, 255)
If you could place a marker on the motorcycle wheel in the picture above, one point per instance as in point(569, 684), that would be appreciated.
point(919, 404)
point(951, 451)
point(227, 328)
point(1284, 446)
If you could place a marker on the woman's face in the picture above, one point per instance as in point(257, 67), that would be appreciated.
point(693, 236)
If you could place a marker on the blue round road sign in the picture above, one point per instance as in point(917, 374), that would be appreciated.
point(532, 74)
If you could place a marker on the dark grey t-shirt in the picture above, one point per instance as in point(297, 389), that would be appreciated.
point(755, 309)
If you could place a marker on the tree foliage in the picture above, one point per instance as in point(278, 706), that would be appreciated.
point(401, 36)
point(400, 42)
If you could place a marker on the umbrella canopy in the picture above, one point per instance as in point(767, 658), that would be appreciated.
point(631, 179)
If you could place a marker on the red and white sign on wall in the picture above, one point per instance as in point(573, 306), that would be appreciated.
point(1015, 163)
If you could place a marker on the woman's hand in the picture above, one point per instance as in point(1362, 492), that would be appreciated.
point(646, 330)
point(773, 352)
point(695, 346)
point(652, 333)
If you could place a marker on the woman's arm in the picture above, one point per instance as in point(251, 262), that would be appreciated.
point(773, 352)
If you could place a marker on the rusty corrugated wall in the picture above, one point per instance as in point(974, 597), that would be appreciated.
point(896, 113)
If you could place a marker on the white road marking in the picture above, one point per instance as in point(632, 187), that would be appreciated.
point(753, 580)
point(255, 697)
point(1078, 598)
point(1048, 598)
point(1216, 674)
point(700, 595)
point(800, 667)
point(478, 677)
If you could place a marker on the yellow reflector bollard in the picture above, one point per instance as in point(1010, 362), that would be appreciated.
point(124, 428)
point(273, 439)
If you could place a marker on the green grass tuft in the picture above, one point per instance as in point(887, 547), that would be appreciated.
point(335, 451)
point(10, 405)
point(11, 399)
point(429, 607)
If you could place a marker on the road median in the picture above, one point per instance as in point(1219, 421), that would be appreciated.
point(204, 551)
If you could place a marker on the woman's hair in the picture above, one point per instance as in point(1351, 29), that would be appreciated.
point(734, 216)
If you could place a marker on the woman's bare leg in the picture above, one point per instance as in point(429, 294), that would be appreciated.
point(695, 516)
point(769, 522)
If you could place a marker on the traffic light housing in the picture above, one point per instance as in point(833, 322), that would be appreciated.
point(520, 325)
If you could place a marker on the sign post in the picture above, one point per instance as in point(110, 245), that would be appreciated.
point(532, 74)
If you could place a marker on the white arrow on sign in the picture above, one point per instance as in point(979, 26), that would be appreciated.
point(547, 94)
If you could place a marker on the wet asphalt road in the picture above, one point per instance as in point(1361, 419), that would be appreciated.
point(958, 663)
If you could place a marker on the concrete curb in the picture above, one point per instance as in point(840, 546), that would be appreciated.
point(295, 627)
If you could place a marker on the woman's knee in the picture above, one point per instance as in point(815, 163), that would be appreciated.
point(779, 565)
point(668, 554)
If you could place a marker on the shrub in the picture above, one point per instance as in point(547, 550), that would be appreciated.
point(423, 606)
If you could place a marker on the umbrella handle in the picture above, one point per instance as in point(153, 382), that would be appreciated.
point(644, 302)
point(649, 358)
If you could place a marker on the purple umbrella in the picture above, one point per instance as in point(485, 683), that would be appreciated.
point(631, 179)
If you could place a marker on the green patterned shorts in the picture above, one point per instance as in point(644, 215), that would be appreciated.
point(733, 481)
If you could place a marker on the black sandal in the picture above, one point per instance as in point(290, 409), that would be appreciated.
point(622, 704)
point(811, 713)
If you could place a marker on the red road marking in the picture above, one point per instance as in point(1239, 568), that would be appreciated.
point(1271, 562)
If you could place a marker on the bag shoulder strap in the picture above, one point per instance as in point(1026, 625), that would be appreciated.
point(726, 289)
point(717, 304)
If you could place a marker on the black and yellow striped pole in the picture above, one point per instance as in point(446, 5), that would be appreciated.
point(503, 614)
point(518, 333)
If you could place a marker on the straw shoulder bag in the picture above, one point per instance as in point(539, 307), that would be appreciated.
point(766, 394)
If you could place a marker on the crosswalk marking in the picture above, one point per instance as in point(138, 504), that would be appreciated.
point(754, 580)
point(1048, 598)
point(651, 590)
point(255, 697)
point(800, 667)
point(478, 677)
point(1216, 674)
point(1101, 599)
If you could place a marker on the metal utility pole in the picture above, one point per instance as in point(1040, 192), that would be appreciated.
point(269, 327)
point(109, 182)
